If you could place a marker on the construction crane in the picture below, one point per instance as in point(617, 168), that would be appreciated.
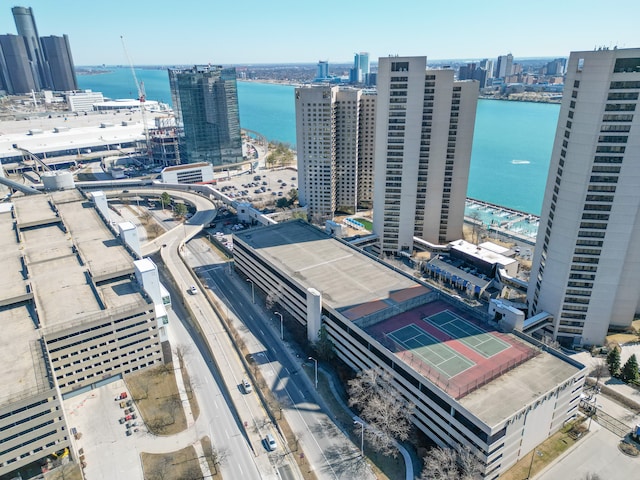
point(142, 98)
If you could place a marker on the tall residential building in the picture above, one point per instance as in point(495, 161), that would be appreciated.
point(474, 71)
point(17, 74)
point(205, 99)
point(556, 67)
point(26, 26)
point(586, 267)
point(424, 131)
point(58, 54)
point(504, 66)
point(334, 129)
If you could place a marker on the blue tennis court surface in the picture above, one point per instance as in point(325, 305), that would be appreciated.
point(472, 336)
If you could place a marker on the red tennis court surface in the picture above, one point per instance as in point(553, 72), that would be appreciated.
point(483, 369)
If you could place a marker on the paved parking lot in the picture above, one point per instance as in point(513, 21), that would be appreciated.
point(263, 186)
point(108, 451)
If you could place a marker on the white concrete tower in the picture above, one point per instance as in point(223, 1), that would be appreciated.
point(334, 130)
point(424, 133)
point(586, 267)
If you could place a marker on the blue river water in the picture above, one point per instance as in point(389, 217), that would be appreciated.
point(511, 145)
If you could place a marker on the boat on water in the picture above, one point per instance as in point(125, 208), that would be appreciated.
point(520, 162)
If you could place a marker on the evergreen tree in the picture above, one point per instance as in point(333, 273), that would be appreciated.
point(630, 370)
point(613, 361)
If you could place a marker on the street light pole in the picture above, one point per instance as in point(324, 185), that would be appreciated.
point(281, 325)
point(356, 422)
point(253, 292)
point(533, 455)
point(316, 362)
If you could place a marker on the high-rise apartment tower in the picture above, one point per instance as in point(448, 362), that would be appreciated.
point(424, 131)
point(504, 66)
point(205, 99)
point(586, 267)
point(335, 130)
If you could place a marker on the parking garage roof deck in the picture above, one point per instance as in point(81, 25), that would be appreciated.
point(12, 281)
point(357, 286)
point(349, 281)
point(24, 372)
point(77, 268)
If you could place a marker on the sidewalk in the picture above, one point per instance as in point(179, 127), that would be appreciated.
point(295, 356)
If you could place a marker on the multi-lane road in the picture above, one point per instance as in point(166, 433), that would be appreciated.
point(328, 450)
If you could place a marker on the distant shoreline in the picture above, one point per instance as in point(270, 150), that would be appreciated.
point(271, 82)
point(92, 72)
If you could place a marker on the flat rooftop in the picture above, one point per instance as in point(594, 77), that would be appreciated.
point(470, 360)
point(98, 247)
point(12, 281)
point(349, 281)
point(75, 132)
point(482, 253)
point(24, 371)
point(33, 210)
point(77, 268)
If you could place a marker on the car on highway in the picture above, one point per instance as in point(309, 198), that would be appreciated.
point(193, 290)
point(246, 386)
point(271, 442)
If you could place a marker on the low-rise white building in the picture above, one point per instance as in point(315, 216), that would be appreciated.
point(188, 173)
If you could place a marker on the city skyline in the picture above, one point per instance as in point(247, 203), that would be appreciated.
point(286, 34)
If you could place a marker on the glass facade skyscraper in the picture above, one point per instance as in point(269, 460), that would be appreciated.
point(205, 100)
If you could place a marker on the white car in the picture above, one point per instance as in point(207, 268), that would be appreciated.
point(246, 386)
point(193, 290)
point(271, 442)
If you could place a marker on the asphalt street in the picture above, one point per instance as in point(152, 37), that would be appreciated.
point(329, 451)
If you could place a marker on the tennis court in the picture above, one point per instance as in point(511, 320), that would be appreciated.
point(435, 353)
point(472, 336)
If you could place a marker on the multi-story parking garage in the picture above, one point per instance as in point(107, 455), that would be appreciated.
point(73, 316)
point(499, 393)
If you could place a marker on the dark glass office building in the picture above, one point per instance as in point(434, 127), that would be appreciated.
point(205, 100)
point(16, 71)
point(58, 54)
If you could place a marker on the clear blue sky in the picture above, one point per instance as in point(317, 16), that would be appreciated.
point(171, 32)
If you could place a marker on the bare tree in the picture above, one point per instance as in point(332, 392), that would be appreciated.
point(476, 224)
point(160, 469)
point(144, 385)
point(599, 370)
point(273, 297)
point(382, 406)
point(440, 464)
point(216, 456)
point(155, 229)
point(449, 464)
point(470, 466)
point(174, 405)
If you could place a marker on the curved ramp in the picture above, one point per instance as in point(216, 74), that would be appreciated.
point(19, 186)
